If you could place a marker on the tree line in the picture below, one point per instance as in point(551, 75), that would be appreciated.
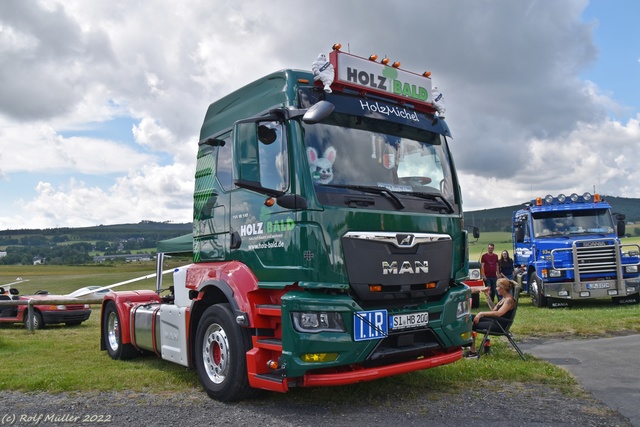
point(74, 245)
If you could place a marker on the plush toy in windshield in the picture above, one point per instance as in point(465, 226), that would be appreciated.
point(323, 71)
point(321, 167)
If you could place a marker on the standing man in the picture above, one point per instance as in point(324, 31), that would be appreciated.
point(490, 270)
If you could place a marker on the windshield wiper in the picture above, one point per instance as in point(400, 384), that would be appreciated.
point(372, 189)
point(431, 196)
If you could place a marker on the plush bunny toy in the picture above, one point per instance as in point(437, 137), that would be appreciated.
point(323, 71)
point(321, 167)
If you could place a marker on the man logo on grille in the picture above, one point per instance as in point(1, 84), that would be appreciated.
point(405, 239)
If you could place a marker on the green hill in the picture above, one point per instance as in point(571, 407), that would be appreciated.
point(499, 219)
point(77, 245)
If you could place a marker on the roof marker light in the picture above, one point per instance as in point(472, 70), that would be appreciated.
point(385, 60)
point(596, 198)
point(396, 64)
point(337, 46)
point(538, 201)
point(426, 74)
point(373, 57)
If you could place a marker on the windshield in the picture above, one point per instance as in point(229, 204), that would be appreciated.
point(371, 155)
point(575, 222)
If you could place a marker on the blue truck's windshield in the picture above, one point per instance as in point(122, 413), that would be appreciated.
point(559, 223)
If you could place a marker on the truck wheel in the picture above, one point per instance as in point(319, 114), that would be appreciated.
point(38, 323)
point(220, 355)
point(535, 289)
point(113, 335)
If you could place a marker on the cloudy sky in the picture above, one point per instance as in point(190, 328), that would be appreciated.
point(101, 101)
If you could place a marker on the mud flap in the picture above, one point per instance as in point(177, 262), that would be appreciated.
point(629, 299)
point(557, 303)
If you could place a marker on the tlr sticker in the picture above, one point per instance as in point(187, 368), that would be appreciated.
point(370, 325)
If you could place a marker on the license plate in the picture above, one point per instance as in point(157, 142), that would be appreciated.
point(370, 325)
point(410, 320)
point(599, 285)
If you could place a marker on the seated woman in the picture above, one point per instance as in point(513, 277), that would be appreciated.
point(502, 311)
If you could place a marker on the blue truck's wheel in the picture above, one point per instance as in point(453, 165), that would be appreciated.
point(220, 354)
point(475, 300)
point(537, 292)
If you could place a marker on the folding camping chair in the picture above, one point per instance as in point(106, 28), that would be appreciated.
point(502, 329)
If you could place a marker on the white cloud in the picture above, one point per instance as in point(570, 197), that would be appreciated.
point(37, 147)
point(523, 120)
point(154, 193)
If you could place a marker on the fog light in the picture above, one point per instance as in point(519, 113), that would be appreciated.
point(585, 294)
point(612, 292)
point(319, 357)
point(563, 293)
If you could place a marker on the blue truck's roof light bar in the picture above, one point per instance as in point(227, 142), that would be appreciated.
point(562, 199)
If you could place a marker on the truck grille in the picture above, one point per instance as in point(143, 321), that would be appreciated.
point(597, 260)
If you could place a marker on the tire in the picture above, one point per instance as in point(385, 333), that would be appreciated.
point(536, 291)
point(220, 355)
point(475, 300)
point(112, 335)
point(38, 323)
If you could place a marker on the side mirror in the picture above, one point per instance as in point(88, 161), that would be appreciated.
point(318, 112)
point(620, 225)
point(519, 234)
point(476, 233)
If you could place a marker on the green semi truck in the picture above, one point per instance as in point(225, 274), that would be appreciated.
point(328, 238)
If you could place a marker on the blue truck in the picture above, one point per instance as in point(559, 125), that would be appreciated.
point(568, 249)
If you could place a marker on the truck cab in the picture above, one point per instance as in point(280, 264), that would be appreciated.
point(569, 249)
point(328, 240)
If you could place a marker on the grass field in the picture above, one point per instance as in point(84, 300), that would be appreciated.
point(68, 359)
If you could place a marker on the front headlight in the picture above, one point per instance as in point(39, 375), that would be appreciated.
point(631, 269)
point(463, 308)
point(555, 273)
point(474, 274)
point(317, 321)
